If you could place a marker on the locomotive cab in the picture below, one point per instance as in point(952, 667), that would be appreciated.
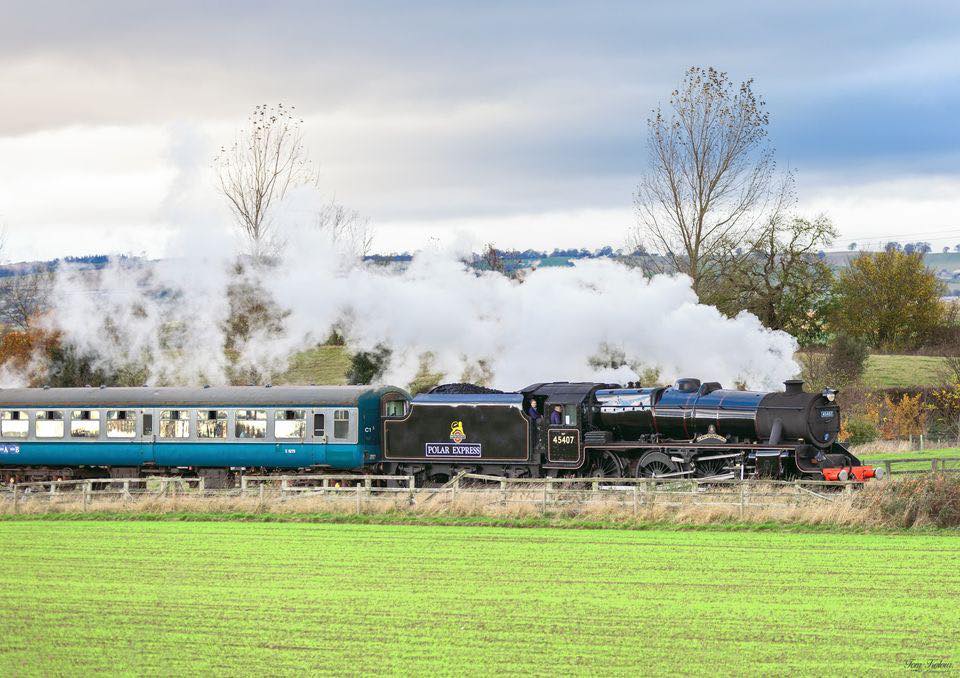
point(567, 416)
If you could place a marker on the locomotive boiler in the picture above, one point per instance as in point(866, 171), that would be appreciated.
point(691, 409)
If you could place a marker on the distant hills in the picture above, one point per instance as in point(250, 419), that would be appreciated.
point(945, 264)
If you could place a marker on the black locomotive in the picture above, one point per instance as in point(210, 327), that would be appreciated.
point(689, 429)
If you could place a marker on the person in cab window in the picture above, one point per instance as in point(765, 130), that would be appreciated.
point(532, 412)
point(556, 417)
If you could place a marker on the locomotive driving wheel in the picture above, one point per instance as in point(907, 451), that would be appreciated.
point(605, 465)
point(655, 465)
point(710, 468)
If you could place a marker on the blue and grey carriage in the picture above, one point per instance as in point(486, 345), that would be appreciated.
point(214, 431)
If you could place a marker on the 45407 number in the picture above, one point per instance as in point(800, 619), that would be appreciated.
point(563, 439)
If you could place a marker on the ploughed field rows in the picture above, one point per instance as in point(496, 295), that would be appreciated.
point(176, 597)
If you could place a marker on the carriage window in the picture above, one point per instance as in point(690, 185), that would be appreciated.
point(394, 408)
point(148, 424)
point(121, 424)
point(175, 423)
point(290, 424)
point(15, 424)
point(318, 426)
point(85, 424)
point(49, 424)
point(212, 424)
point(251, 424)
point(341, 424)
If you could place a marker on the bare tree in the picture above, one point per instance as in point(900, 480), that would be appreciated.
point(23, 297)
point(709, 174)
point(266, 160)
point(347, 228)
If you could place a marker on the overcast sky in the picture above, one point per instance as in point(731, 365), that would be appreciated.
point(517, 123)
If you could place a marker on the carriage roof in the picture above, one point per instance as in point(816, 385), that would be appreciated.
point(266, 396)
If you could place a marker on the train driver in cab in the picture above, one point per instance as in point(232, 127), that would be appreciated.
point(556, 417)
point(533, 413)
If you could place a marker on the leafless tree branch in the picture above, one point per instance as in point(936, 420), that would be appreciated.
point(708, 185)
point(265, 161)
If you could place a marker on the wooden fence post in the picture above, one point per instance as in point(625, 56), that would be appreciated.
point(283, 487)
point(16, 499)
point(933, 465)
point(503, 491)
point(359, 489)
point(411, 486)
point(635, 497)
point(888, 469)
point(743, 498)
point(87, 488)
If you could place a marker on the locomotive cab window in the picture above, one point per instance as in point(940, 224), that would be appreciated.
point(395, 408)
point(49, 424)
point(212, 424)
point(569, 415)
point(121, 424)
point(15, 424)
point(341, 424)
point(290, 424)
point(85, 424)
point(175, 424)
point(251, 424)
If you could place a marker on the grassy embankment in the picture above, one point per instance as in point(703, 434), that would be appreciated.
point(320, 365)
point(329, 365)
point(255, 598)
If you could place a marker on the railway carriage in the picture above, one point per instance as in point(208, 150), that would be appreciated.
point(211, 432)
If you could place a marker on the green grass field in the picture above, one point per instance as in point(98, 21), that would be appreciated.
point(887, 371)
point(948, 453)
point(265, 598)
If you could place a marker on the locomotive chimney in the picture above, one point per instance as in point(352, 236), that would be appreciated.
point(793, 386)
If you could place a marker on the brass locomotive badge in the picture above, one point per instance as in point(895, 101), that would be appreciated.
point(456, 432)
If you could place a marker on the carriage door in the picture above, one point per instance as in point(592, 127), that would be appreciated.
point(319, 425)
point(149, 420)
point(563, 434)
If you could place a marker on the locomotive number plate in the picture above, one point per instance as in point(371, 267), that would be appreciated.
point(563, 445)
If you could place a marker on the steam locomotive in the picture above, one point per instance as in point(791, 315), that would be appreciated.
point(689, 429)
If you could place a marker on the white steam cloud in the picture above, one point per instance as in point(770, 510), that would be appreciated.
point(169, 318)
